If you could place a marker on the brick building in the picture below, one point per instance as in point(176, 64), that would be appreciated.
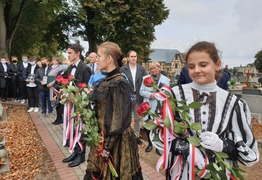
point(170, 59)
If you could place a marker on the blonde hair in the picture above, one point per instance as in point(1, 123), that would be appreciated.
point(154, 63)
point(58, 59)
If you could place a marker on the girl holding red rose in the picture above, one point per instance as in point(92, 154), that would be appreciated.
point(224, 118)
point(156, 79)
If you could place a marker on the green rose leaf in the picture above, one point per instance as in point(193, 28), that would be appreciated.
point(167, 122)
point(72, 88)
point(172, 102)
point(222, 175)
point(196, 126)
point(181, 125)
point(156, 138)
point(150, 125)
point(63, 101)
point(222, 155)
point(65, 91)
point(195, 105)
point(239, 169)
point(194, 141)
point(72, 96)
point(73, 114)
point(216, 167)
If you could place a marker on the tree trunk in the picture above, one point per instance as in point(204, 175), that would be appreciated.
point(2, 31)
point(90, 29)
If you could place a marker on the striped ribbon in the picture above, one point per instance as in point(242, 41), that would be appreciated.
point(77, 135)
point(166, 135)
point(192, 157)
point(64, 124)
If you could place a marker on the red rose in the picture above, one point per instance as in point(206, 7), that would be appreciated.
point(71, 77)
point(65, 82)
point(143, 108)
point(59, 79)
point(148, 81)
point(81, 85)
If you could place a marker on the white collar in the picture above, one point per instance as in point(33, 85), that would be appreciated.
point(204, 87)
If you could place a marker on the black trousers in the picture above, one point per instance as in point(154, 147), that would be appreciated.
point(33, 98)
point(14, 86)
point(22, 90)
point(59, 112)
point(5, 89)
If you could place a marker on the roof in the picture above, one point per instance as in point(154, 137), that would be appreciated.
point(163, 55)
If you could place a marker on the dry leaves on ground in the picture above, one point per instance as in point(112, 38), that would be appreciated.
point(27, 154)
point(257, 129)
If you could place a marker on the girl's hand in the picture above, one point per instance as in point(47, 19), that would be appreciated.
point(152, 96)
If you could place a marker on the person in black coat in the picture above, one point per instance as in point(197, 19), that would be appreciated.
point(14, 77)
point(22, 76)
point(43, 90)
point(135, 73)
point(59, 107)
point(4, 78)
point(32, 89)
point(184, 76)
point(82, 74)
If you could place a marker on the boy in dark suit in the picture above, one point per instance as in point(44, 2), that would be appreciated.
point(82, 74)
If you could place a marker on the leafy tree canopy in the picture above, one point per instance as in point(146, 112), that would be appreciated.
point(258, 61)
point(130, 23)
point(44, 27)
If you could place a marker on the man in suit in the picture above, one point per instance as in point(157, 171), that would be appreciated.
point(92, 63)
point(14, 77)
point(4, 78)
point(135, 72)
point(22, 69)
point(82, 74)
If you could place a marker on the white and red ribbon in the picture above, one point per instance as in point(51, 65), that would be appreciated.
point(77, 135)
point(192, 157)
point(166, 135)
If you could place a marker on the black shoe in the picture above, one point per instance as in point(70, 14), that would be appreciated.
point(158, 152)
point(70, 158)
point(138, 141)
point(58, 122)
point(148, 148)
point(54, 121)
point(67, 144)
point(80, 158)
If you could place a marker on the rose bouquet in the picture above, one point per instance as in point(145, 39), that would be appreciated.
point(83, 112)
point(165, 127)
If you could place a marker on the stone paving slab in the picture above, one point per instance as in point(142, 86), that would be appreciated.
point(52, 137)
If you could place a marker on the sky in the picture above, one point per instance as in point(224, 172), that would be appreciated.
point(235, 26)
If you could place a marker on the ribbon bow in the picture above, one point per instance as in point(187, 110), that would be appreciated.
point(202, 96)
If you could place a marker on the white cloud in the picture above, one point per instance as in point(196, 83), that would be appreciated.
point(235, 26)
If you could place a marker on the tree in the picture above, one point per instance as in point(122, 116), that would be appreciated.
point(32, 27)
point(130, 23)
point(258, 61)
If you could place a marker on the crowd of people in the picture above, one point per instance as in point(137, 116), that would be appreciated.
point(225, 118)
